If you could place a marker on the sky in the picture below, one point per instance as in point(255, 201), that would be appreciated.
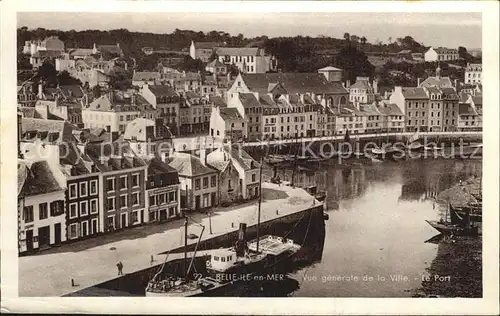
point(432, 29)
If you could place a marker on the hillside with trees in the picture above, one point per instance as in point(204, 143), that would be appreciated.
point(294, 54)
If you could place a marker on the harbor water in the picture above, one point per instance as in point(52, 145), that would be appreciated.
point(375, 244)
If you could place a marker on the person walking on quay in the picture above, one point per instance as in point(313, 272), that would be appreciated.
point(119, 265)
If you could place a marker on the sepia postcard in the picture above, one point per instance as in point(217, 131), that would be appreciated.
point(250, 157)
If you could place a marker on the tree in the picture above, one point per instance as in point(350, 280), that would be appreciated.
point(23, 62)
point(347, 36)
point(363, 40)
point(191, 64)
point(353, 63)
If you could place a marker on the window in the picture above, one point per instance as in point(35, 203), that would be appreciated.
point(171, 196)
point(28, 214)
point(93, 187)
point(73, 231)
point(205, 182)
point(93, 206)
point(84, 211)
point(134, 218)
point(152, 200)
point(135, 180)
point(110, 184)
point(111, 203)
point(213, 181)
point(123, 182)
point(72, 191)
point(73, 213)
point(135, 199)
point(123, 201)
point(43, 211)
point(423, 122)
point(254, 176)
point(111, 222)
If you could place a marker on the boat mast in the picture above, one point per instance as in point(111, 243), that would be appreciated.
point(260, 202)
point(185, 247)
point(295, 161)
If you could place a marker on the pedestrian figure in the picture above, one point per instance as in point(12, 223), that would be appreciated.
point(119, 265)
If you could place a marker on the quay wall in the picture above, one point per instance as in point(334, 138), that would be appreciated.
point(306, 228)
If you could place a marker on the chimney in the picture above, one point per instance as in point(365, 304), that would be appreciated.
point(40, 90)
point(215, 76)
point(228, 76)
point(114, 136)
point(348, 84)
point(302, 98)
point(111, 96)
point(375, 85)
point(104, 160)
point(418, 82)
point(108, 128)
point(203, 156)
point(457, 85)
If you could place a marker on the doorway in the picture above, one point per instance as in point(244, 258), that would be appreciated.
point(29, 240)
point(43, 236)
point(123, 220)
point(85, 229)
point(57, 233)
point(94, 226)
point(197, 202)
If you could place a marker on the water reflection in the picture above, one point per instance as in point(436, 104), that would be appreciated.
point(378, 229)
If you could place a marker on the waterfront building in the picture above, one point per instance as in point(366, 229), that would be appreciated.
point(148, 138)
point(435, 117)
point(162, 191)
point(326, 120)
point(195, 111)
point(470, 113)
point(41, 207)
point(122, 177)
point(115, 109)
point(331, 93)
point(141, 78)
point(227, 123)
point(251, 110)
point(441, 54)
point(414, 103)
point(247, 59)
point(203, 50)
point(450, 109)
point(167, 102)
point(82, 197)
point(25, 94)
point(230, 189)
point(473, 74)
point(393, 117)
point(362, 91)
point(198, 181)
point(373, 118)
point(248, 169)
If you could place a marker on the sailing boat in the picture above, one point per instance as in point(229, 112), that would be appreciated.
point(456, 226)
point(229, 266)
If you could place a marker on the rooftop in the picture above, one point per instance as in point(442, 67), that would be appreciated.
point(293, 83)
point(238, 51)
point(437, 81)
point(466, 109)
point(162, 91)
point(230, 114)
point(414, 93)
point(146, 76)
point(188, 165)
point(39, 179)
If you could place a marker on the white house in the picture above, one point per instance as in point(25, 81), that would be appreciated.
point(473, 74)
point(247, 59)
point(41, 215)
point(441, 54)
point(248, 169)
point(227, 123)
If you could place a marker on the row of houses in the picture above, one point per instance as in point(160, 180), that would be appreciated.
point(78, 183)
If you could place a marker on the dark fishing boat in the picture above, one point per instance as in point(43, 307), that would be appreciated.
point(457, 225)
point(228, 267)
